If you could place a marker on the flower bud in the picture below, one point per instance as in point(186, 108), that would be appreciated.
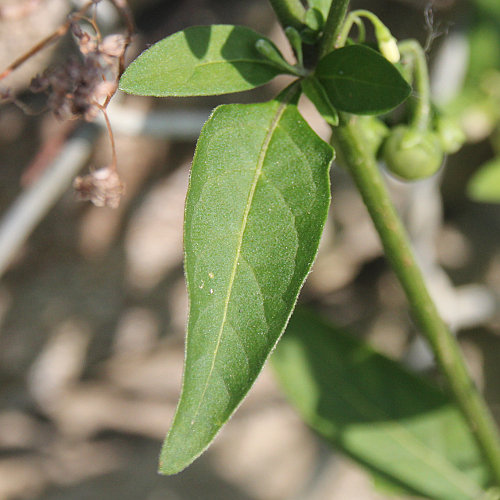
point(387, 44)
point(389, 49)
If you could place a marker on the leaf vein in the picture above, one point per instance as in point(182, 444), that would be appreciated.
point(258, 172)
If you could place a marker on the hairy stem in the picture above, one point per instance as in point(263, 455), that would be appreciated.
point(289, 12)
point(333, 25)
point(365, 172)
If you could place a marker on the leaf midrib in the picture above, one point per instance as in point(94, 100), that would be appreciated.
point(258, 172)
point(352, 79)
point(423, 452)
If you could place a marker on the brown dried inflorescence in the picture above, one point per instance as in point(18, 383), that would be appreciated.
point(82, 87)
point(79, 88)
point(103, 187)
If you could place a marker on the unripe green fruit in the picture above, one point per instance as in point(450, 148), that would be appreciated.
point(450, 134)
point(412, 154)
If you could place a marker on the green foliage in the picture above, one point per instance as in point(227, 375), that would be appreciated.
point(314, 19)
point(201, 60)
point(485, 184)
point(322, 6)
point(253, 221)
point(317, 95)
point(256, 206)
point(394, 423)
point(359, 80)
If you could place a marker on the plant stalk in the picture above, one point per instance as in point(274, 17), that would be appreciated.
point(364, 170)
point(333, 25)
point(422, 112)
point(289, 13)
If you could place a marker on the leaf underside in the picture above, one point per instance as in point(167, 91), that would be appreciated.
point(200, 60)
point(396, 424)
point(359, 80)
point(256, 206)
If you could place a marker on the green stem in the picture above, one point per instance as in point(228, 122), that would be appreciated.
point(364, 169)
point(289, 13)
point(422, 112)
point(353, 18)
point(333, 25)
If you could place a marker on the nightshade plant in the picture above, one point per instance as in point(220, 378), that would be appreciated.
point(256, 206)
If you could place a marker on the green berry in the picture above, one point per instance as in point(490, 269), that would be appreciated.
point(412, 154)
point(450, 134)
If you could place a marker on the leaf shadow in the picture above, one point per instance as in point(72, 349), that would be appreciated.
point(357, 390)
point(232, 50)
point(238, 50)
point(199, 40)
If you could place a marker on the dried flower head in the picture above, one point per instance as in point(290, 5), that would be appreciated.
point(82, 84)
point(113, 45)
point(103, 187)
point(86, 42)
point(75, 88)
point(40, 83)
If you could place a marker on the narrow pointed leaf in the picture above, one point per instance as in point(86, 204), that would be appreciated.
point(200, 60)
point(256, 206)
point(391, 421)
point(359, 80)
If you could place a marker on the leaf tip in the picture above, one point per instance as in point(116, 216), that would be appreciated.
point(168, 465)
point(165, 469)
point(124, 83)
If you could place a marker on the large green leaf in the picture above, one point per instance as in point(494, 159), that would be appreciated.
point(359, 80)
point(388, 419)
point(485, 184)
point(257, 202)
point(201, 60)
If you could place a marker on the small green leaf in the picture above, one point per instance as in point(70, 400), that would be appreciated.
point(201, 60)
point(271, 52)
point(296, 42)
point(359, 80)
point(317, 95)
point(314, 19)
point(388, 419)
point(256, 206)
point(485, 184)
point(322, 5)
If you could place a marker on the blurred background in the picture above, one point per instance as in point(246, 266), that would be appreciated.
point(93, 303)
